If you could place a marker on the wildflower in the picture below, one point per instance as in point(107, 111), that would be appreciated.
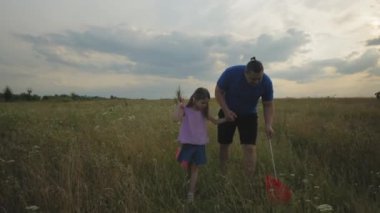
point(305, 180)
point(32, 208)
point(190, 197)
point(311, 174)
point(217, 207)
point(324, 208)
point(292, 175)
point(316, 187)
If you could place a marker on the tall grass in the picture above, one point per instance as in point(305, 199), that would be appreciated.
point(118, 156)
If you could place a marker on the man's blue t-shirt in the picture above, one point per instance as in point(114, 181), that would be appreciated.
point(242, 97)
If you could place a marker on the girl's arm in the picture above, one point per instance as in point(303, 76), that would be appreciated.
point(179, 112)
point(216, 121)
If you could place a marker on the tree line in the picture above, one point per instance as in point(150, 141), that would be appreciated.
point(9, 96)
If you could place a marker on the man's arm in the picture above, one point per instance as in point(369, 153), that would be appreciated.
point(219, 96)
point(268, 117)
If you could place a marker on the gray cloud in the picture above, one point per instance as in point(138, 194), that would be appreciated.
point(315, 70)
point(173, 54)
point(280, 49)
point(373, 42)
point(180, 55)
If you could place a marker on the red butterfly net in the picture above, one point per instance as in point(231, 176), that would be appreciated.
point(277, 192)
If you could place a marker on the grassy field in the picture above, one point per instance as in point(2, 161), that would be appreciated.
point(119, 156)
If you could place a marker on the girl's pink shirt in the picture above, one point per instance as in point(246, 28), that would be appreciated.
point(193, 128)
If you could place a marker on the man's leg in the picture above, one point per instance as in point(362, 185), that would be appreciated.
point(226, 133)
point(223, 157)
point(247, 127)
point(249, 159)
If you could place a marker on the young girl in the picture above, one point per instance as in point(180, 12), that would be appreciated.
point(193, 134)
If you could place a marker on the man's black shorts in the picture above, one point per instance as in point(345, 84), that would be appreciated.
point(246, 125)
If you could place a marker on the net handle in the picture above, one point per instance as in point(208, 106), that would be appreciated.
point(271, 152)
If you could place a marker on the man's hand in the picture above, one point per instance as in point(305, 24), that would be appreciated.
point(229, 115)
point(269, 131)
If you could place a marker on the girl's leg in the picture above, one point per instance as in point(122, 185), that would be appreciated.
point(190, 165)
point(193, 178)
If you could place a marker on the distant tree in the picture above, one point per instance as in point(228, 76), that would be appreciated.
point(75, 96)
point(8, 95)
point(29, 94)
point(378, 95)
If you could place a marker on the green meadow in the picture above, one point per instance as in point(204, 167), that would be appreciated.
point(119, 156)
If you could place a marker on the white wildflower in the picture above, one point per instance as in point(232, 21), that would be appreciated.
point(324, 208)
point(32, 208)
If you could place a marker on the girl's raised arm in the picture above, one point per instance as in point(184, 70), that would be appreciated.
point(179, 112)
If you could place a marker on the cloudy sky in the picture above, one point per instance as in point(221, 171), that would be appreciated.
point(147, 48)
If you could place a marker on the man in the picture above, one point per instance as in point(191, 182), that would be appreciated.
point(237, 91)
